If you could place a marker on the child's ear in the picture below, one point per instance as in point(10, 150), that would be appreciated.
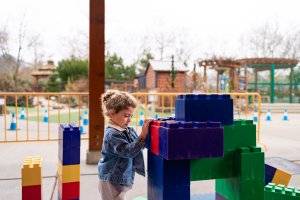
point(110, 113)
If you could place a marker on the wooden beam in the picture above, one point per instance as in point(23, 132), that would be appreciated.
point(96, 74)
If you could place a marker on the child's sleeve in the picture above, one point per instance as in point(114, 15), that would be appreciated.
point(117, 144)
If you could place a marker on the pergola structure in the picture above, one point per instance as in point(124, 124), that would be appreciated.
point(263, 64)
point(258, 64)
point(220, 65)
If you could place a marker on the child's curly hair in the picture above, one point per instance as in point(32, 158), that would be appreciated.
point(116, 100)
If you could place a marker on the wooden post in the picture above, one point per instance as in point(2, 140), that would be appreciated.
point(96, 79)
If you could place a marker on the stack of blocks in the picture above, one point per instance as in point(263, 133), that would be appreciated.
point(69, 162)
point(204, 142)
point(32, 178)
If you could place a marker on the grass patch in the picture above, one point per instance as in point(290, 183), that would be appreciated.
point(62, 118)
point(12, 109)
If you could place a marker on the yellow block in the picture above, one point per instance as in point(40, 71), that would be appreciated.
point(281, 177)
point(31, 171)
point(68, 173)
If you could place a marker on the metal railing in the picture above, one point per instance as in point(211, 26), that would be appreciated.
point(68, 107)
point(55, 107)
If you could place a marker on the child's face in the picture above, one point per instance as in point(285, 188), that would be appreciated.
point(122, 118)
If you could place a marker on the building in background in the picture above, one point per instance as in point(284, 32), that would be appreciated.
point(42, 75)
point(158, 76)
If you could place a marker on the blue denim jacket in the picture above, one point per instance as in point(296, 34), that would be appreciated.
point(121, 156)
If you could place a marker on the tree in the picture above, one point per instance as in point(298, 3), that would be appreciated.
point(163, 42)
point(145, 60)
point(116, 70)
point(291, 47)
point(194, 80)
point(297, 75)
point(72, 69)
point(173, 73)
point(6, 84)
point(54, 83)
point(78, 45)
point(183, 47)
point(266, 41)
point(144, 54)
point(35, 44)
point(14, 61)
point(269, 42)
point(80, 85)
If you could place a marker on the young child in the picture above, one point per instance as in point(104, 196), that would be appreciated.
point(122, 147)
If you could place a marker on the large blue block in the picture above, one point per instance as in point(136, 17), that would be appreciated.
point(176, 193)
point(201, 107)
point(69, 135)
point(269, 173)
point(69, 156)
point(191, 140)
point(69, 144)
point(169, 192)
point(168, 179)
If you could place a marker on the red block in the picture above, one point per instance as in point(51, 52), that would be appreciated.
point(68, 190)
point(155, 137)
point(33, 192)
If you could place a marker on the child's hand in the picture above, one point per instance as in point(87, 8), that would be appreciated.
point(145, 127)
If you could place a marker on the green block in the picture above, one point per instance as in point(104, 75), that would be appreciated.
point(212, 168)
point(224, 187)
point(241, 134)
point(249, 163)
point(280, 192)
point(235, 189)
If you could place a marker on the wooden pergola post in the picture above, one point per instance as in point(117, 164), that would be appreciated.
point(96, 79)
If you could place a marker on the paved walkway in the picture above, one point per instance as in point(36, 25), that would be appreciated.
point(281, 137)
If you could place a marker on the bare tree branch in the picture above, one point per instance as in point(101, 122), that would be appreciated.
point(4, 41)
point(163, 42)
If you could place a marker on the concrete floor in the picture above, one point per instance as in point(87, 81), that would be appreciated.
point(282, 139)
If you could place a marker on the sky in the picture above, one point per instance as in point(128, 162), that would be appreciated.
point(206, 26)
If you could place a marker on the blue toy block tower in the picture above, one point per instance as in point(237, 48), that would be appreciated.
point(203, 142)
point(69, 162)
